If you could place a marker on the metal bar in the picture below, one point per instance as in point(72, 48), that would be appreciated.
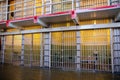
point(112, 56)
point(12, 48)
point(77, 4)
point(72, 28)
point(6, 8)
point(34, 9)
point(50, 50)
point(42, 7)
point(78, 49)
point(109, 2)
point(72, 4)
point(50, 6)
point(22, 50)
point(31, 50)
point(3, 48)
point(41, 50)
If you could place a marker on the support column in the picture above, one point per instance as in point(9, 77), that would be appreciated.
point(111, 43)
point(12, 49)
point(31, 50)
point(78, 49)
point(47, 50)
point(2, 49)
point(41, 50)
point(22, 51)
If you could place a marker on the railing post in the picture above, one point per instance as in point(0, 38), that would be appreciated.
point(7, 9)
point(72, 4)
point(77, 4)
point(109, 2)
point(34, 8)
point(42, 7)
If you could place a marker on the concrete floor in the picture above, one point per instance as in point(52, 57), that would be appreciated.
point(10, 72)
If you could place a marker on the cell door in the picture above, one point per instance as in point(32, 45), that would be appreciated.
point(37, 50)
point(28, 49)
point(8, 49)
point(63, 50)
point(17, 47)
point(95, 51)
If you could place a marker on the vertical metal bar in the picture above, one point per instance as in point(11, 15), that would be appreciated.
point(50, 50)
point(3, 48)
point(12, 49)
point(31, 50)
point(77, 4)
point(41, 50)
point(78, 49)
point(22, 52)
point(34, 8)
point(42, 7)
point(109, 2)
point(6, 9)
point(112, 56)
point(51, 6)
point(24, 12)
point(62, 50)
point(72, 4)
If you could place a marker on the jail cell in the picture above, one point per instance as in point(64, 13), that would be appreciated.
point(37, 50)
point(3, 10)
point(114, 2)
point(8, 49)
point(95, 51)
point(28, 49)
point(63, 50)
point(116, 50)
point(92, 3)
point(17, 47)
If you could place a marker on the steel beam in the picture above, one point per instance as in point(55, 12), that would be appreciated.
point(112, 55)
point(72, 28)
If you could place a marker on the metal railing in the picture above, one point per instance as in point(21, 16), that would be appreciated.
point(27, 8)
